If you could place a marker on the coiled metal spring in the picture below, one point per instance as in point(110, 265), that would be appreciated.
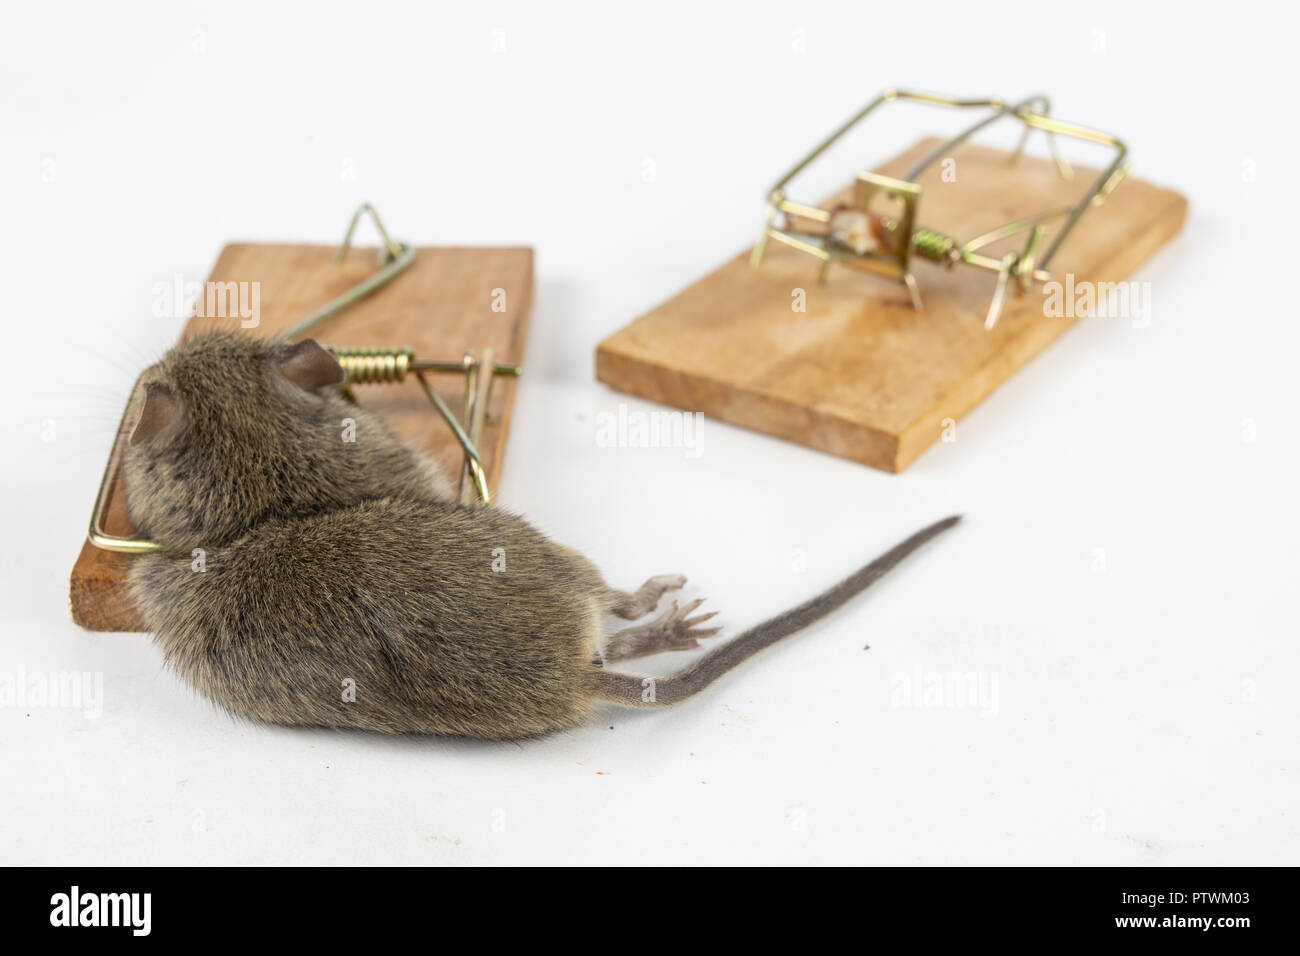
point(927, 243)
point(382, 366)
point(932, 245)
point(365, 366)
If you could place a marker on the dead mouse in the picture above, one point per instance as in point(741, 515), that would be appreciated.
point(308, 580)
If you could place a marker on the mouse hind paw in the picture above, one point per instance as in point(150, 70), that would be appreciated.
point(673, 630)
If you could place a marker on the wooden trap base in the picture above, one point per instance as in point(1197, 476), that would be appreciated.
point(440, 306)
point(860, 374)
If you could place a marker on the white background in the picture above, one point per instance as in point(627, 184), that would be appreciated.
point(1127, 570)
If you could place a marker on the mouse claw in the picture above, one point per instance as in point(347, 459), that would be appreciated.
point(700, 619)
point(689, 608)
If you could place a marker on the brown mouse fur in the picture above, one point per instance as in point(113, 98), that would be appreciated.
point(343, 587)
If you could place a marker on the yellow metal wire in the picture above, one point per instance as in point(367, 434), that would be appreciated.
point(895, 259)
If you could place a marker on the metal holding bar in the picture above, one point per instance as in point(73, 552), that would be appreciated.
point(472, 461)
point(394, 257)
point(478, 384)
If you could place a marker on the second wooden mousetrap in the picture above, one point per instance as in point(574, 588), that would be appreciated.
point(804, 337)
point(419, 332)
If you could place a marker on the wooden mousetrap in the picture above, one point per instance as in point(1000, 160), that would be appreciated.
point(972, 238)
point(454, 319)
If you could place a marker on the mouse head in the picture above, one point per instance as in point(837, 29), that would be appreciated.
point(231, 430)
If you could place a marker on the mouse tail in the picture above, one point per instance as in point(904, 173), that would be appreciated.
point(631, 690)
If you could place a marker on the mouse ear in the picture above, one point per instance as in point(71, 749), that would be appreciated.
point(309, 365)
point(159, 414)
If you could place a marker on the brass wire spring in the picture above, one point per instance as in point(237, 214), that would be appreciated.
point(364, 366)
point(926, 243)
point(932, 245)
point(367, 366)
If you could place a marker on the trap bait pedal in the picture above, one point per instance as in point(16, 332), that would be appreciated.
point(390, 335)
point(800, 338)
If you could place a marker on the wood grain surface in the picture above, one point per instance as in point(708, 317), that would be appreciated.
point(860, 374)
